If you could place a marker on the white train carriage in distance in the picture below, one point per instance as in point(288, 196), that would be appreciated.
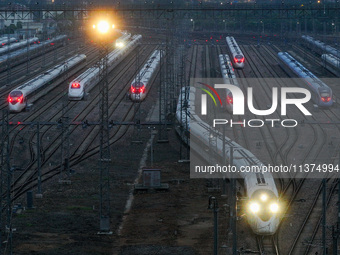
point(229, 77)
point(90, 78)
point(17, 45)
point(321, 47)
point(4, 41)
point(141, 84)
point(264, 210)
point(18, 97)
point(331, 63)
point(236, 52)
point(321, 93)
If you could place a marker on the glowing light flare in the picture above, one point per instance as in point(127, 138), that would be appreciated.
point(75, 85)
point(254, 207)
point(264, 197)
point(103, 27)
point(230, 99)
point(138, 90)
point(239, 60)
point(120, 44)
point(274, 207)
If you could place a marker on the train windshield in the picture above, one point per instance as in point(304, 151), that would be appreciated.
point(15, 97)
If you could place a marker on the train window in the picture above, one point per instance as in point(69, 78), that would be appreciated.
point(260, 178)
point(15, 94)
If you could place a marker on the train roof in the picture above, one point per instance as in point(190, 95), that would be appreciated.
point(149, 67)
point(302, 72)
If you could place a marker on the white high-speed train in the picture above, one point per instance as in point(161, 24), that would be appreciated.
point(141, 84)
point(229, 77)
point(4, 41)
point(321, 94)
point(17, 57)
point(18, 45)
point(320, 47)
point(263, 206)
point(332, 63)
point(18, 97)
point(90, 78)
point(236, 52)
point(121, 41)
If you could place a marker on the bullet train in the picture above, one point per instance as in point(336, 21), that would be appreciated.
point(18, 45)
point(236, 52)
point(320, 47)
point(19, 56)
point(321, 93)
point(141, 84)
point(263, 205)
point(229, 77)
point(121, 41)
point(331, 63)
point(18, 97)
point(90, 78)
point(4, 41)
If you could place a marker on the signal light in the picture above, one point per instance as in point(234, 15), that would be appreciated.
point(328, 99)
point(323, 99)
point(229, 99)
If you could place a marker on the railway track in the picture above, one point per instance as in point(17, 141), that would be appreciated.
point(267, 245)
point(75, 159)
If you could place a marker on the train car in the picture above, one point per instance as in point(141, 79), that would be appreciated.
point(236, 52)
point(18, 57)
point(121, 41)
point(18, 45)
point(90, 78)
point(331, 63)
point(263, 205)
point(320, 47)
point(321, 93)
point(18, 98)
point(4, 41)
point(141, 84)
point(229, 77)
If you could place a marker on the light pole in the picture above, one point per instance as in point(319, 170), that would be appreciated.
point(103, 32)
point(262, 26)
point(225, 25)
point(193, 24)
point(213, 205)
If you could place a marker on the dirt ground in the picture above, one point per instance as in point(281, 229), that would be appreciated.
point(177, 221)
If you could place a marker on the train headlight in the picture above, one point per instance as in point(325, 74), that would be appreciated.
point(274, 207)
point(254, 207)
point(264, 197)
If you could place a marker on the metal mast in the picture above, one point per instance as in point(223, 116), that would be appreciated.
point(105, 157)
